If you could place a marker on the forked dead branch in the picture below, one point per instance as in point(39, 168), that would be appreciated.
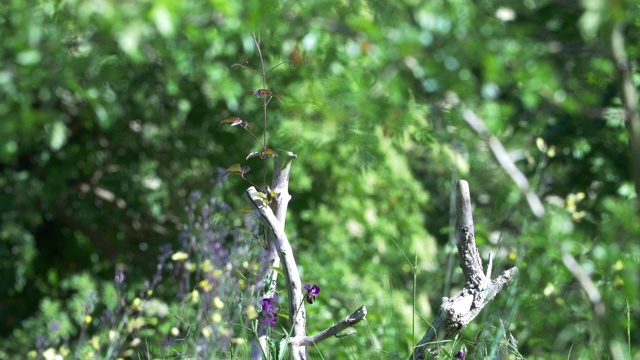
point(458, 311)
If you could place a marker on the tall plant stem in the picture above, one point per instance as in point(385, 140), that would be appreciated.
point(265, 102)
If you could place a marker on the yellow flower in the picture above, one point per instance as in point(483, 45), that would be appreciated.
point(205, 285)
point(238, 341)
point(251, 312)
point(206, 331)
point(195, 297)
point(217, 303)
point(216, 317)
point(180, 256)
point(175, 332)
point(135, 342)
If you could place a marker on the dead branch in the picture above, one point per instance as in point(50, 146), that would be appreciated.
point(271, 260)
point(297, 314)
point(334, 330)
point(458, 311)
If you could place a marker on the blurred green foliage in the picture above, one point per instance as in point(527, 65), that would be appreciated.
point(109, 121)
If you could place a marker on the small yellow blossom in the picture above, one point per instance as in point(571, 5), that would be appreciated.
point(135, 342)
point(552, 151)
point(541, 145)
point(113, 336)
point(217, 303)
point(251, 312)
point(207, 266)
point(238, 341)
point(189, 266)
point(619, 265)
point(136, 304)
point(216, 317)
point(206, 332)
point(95, 343)
point(194, 296)
point(51, 354)
point(87, 319)
point(205, 285)
point(180, 256)
point(175, 332)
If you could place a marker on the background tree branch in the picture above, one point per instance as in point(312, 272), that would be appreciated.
point(505, 161)
point(629, 99)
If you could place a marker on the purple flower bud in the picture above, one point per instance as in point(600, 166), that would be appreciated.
point(312, 292)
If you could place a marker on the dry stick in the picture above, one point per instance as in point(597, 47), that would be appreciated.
point(279, 205)
point(297, 314)
point(334, 330)
point(629, 99)
point(458, 311)
point(298, 340)
point(505, 161)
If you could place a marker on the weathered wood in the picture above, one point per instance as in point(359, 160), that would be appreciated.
point(271, 260)
point(297, 314)
point(458, 311)
point(334, 330)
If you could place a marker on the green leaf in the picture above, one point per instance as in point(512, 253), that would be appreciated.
point(237, 169)
point(279, 271)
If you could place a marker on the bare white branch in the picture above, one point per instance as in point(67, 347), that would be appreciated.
point(297, 312)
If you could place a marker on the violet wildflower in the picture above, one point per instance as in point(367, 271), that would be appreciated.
point(312, 292)
point(269, 314)
point(461, 353)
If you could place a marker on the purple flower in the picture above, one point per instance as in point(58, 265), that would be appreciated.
point(269, 314)
point(312, 292)
point(461, 353)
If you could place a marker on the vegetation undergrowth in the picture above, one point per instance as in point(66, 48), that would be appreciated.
point(115, 191)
